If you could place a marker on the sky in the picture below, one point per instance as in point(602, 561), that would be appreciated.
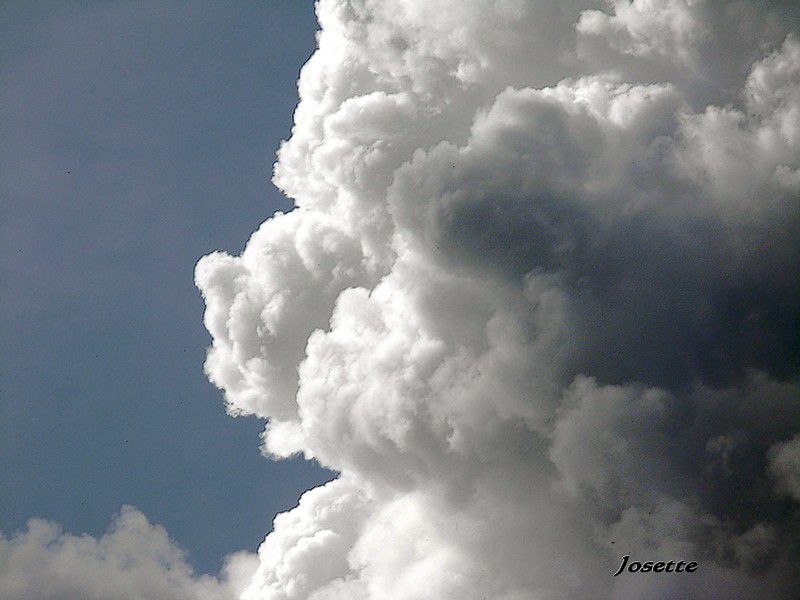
point(136, 138)
point(536, 308)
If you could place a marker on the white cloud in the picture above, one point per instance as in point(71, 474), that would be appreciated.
point(538, 303)
point(133, 560)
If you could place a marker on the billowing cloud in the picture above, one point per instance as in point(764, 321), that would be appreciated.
point(538, 303)
point(133, 560)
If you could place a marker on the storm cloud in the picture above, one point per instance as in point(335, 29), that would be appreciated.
point(537, 303)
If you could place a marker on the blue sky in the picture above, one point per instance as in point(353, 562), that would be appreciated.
point(136, 138)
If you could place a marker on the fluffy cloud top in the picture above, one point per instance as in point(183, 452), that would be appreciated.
point(538, 303)
point(133, 560)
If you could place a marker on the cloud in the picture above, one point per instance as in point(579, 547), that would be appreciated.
point(785, 464)
point(132, 560)
point(537, 304)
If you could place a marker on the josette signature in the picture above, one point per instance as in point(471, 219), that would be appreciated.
point(650, 566)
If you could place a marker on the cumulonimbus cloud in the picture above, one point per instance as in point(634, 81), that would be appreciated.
point(537, 303)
